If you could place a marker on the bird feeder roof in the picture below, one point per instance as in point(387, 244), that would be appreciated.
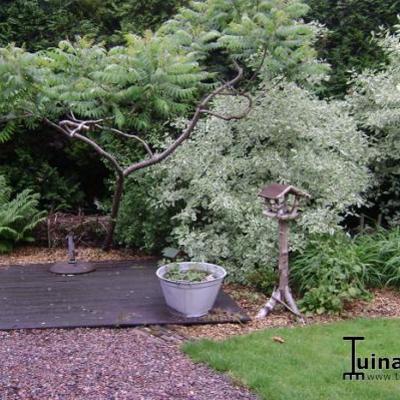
point(275, 191)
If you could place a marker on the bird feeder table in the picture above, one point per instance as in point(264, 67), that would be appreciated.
point(282, 202)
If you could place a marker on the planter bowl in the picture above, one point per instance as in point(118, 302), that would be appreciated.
point(192, 299)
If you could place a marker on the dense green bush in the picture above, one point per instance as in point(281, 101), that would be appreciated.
point(65, 175)
point(18, 216)
point(348, 44)
point(375, 103)
point(266, 33)
point(330, 272)
point(290, 136)
point(382, 251)
point(39, 24)
point(140, 225)
point(335, 269)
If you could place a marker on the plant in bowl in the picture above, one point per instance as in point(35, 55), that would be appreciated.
point(191, 288)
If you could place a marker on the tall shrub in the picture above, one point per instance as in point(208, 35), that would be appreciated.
point(290, 136)
point(375, 103)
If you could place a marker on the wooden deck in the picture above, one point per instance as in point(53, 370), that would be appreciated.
point(117, 294)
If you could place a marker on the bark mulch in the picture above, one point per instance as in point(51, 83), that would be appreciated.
point(42, 255)
point(104, 364)
point(385, 303)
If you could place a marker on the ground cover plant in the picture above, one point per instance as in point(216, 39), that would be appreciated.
point(336, 269)
point(309, 364)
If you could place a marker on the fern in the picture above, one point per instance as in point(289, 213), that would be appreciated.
point(18, 216)
point(7, 131)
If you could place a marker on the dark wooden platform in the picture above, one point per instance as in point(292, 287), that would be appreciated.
point(117, 294)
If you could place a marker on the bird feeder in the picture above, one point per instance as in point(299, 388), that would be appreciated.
point(282, 203)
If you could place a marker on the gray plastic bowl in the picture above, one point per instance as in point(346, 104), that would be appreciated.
point(191, 299)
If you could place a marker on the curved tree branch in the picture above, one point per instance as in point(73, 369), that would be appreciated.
point(231, 117)
point(128, 135)
point(85, 139)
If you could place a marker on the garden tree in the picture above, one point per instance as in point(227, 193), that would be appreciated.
point(73, 177)
point(375, 102)
point(290, 136)
point(269, 34)
point(85, 91)
point(347, 44)
point(112, 89)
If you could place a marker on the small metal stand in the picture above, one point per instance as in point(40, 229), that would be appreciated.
point(71, 267)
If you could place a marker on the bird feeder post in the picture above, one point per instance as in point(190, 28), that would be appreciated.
point(281, 203)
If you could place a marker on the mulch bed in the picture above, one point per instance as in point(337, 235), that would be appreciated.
point(43, 255)
point(385, 303)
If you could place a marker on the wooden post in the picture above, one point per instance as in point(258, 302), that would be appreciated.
point(282, 294)
point(283, 257)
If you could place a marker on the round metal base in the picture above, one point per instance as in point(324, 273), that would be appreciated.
point(65, 268)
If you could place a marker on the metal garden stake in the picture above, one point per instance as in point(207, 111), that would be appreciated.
point(282, 202)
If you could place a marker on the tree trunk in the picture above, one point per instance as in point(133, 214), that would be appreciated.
point(119, 188)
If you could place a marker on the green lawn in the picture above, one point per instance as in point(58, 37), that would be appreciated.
point(310, 364)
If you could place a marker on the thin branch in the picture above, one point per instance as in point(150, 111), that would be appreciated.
point(79, 125)
point(232, 116)
point(128, 135)
point(90, 142)
point(257, 70)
